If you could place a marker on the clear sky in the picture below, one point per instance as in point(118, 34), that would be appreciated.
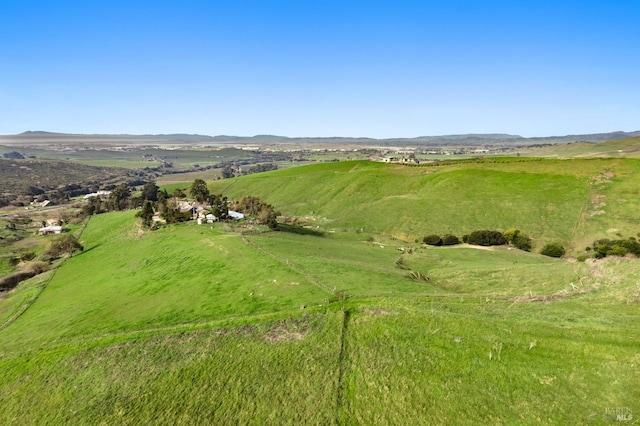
point(320, 67)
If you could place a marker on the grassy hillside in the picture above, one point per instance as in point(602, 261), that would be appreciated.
point(564, 200)
point(616, 148)
point(215, 324)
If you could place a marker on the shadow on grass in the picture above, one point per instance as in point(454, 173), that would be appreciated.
point(87, 250)
point(299, 230)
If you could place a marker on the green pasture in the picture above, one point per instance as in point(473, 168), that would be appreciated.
point(444, 362)
point(347, 319)
point(278, 372)
point(182, 274)
point(551, 200)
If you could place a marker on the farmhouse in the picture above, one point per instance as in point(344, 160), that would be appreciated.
point(401, 160)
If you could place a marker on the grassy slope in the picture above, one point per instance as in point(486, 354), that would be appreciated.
point(628, 147)
point(183, 274)
point(550, 200)
point(187, 324)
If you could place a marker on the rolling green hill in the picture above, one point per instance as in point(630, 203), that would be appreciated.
point(616, 148)
point(223, 323)
point(573, 201)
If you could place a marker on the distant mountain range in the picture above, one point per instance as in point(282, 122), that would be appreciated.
point(493, 139)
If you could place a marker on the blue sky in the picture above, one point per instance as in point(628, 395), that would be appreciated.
point(320, 68)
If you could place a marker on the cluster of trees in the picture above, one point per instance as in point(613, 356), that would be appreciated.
point(119, 199)
point(621, 247)
point(515, 237)
point(155, 200)
point(152, 200)
point(485, 237)
point(264, 212)
point(262, 168)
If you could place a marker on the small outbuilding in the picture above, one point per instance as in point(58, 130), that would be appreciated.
point(48, 230)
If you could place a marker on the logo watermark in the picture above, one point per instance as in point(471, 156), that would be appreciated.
point(619, 414)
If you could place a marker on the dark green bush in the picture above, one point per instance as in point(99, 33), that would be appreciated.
point(486, 237)
point(450, 240)
point(553, 250)
point(432, 240)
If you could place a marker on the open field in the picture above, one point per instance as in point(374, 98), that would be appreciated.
point(229, 324)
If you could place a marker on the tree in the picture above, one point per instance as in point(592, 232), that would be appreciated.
point(172, 214)
point(95, 205)
point(120, 197)
point(65, 244)
point(150, 191)
point(163, 196)
point(219, 206)
point(199, 190)
point(146, 214)
point(227, 172)
point(264, 212)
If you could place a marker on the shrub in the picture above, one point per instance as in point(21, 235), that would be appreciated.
point(486, 237)
point(631, 245)
point(450, 240)
point(432, 240)
point(553, 250)
point(617, 250)
point(606, 247)
point(518, 239)
point(10, 281)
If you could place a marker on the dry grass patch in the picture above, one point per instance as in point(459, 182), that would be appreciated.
point(291, 329)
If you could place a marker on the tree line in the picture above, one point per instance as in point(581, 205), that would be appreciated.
point(486, 237)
